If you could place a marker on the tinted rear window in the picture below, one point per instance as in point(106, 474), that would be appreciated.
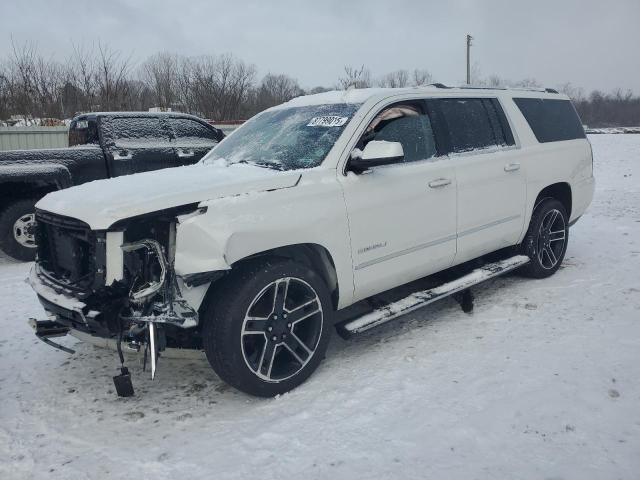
point(551, 120)
point(474, 123)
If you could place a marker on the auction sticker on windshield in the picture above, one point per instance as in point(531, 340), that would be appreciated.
point(327, 121)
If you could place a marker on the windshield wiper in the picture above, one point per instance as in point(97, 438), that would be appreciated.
point(271, 165)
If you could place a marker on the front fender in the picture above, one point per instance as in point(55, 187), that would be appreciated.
point(233, 228)
point(197, 250)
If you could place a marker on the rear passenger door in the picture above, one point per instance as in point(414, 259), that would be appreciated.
point(138, 144)
point(191, 139)
point(491, 182)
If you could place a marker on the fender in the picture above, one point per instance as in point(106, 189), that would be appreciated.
point(231, 229)
point(36, 173)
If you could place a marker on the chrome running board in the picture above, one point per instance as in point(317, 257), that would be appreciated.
point(422, 298)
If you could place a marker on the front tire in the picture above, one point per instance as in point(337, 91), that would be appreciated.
point(268, 326)
point(546, 240)
point(17, 229)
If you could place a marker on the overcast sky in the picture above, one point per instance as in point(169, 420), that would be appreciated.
point(591, 43)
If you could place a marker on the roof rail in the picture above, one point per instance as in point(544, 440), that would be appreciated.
point(480, 87)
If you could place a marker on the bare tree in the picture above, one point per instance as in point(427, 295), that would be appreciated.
point(355, 78)
point(216, 87)
point(527, 83)
point(396, 79)
point(420, 77)
point(276, 89)
point(111, 78)
point(160, 73)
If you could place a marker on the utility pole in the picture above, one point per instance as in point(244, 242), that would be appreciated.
point(469, 38)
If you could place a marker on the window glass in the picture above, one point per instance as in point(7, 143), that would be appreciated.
point(408, 125)
point(129, 131)
point(504, 123)
point(83, 132)
point(551, 120)
point(191, 131)
point(468, 123)
point(498, 132)
point(286, 138)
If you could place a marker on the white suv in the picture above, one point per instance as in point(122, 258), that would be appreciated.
point(308, 208)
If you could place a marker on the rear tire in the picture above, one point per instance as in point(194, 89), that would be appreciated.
point(546, 240)
point(268, 326)
point(17, 229)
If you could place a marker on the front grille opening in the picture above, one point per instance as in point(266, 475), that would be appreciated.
point(66, 250)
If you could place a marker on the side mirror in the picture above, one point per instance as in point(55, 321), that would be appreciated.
point(376, 153)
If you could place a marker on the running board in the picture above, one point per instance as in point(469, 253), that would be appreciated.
point(422, 298)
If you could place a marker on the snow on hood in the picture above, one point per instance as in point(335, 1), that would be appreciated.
point(104, 202)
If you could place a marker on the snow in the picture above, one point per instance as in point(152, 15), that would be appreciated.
point(101, 203)
point(541, 381)
point(353, 96)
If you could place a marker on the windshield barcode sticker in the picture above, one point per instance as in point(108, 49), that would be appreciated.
point(327, 121)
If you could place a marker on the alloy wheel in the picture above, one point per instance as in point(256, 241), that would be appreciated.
point(281, 329)
point(551, 239)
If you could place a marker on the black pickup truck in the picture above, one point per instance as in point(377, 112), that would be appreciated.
point(101, 145)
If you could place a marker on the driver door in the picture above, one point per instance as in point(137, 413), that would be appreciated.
point(402, 217)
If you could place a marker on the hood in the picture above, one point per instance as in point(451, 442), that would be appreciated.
point(102, 203)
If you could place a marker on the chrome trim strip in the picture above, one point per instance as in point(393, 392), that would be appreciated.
point(488, 225)
point(404, 252)
point(435, 242)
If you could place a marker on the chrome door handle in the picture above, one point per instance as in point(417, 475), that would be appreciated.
point(185, 153)
point(511, 167)
point(122, 155)
point(440, 182)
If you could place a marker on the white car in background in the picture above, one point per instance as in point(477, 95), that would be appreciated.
point(325, 202)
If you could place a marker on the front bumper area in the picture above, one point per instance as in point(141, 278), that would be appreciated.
point(60, 302)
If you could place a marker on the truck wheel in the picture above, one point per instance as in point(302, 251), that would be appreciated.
point(268, 327)
point(546, 240)
point(17, 229)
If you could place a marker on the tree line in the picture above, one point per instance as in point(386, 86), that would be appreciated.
point(217, 87)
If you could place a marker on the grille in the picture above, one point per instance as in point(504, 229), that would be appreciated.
point(66, 250)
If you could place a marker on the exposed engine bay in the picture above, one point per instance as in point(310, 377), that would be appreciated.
point(118, 284)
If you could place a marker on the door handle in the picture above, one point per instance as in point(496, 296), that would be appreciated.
point(185, 153)
point(440, 182)
point(511, 167)
point(122, 155)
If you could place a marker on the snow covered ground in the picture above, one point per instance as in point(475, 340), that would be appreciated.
point(541, 381)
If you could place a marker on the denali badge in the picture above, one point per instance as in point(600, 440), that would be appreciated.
point(371, 247)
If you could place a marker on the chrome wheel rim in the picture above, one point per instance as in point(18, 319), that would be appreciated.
point(24, 230)
point(552, 237)
point(281, 329)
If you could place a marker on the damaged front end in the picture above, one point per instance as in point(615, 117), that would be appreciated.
point(118, 284)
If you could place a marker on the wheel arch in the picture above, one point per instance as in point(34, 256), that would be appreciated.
point(15, 190)
point(313, 255)
point(561, 191)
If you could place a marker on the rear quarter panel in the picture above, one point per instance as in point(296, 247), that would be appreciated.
point(544, 164)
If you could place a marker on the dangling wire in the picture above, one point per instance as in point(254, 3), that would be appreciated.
point(119, 344)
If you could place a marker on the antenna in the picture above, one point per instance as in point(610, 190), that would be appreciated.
point(469, 38)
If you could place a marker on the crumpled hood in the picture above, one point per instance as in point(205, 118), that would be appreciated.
point(104, 202)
